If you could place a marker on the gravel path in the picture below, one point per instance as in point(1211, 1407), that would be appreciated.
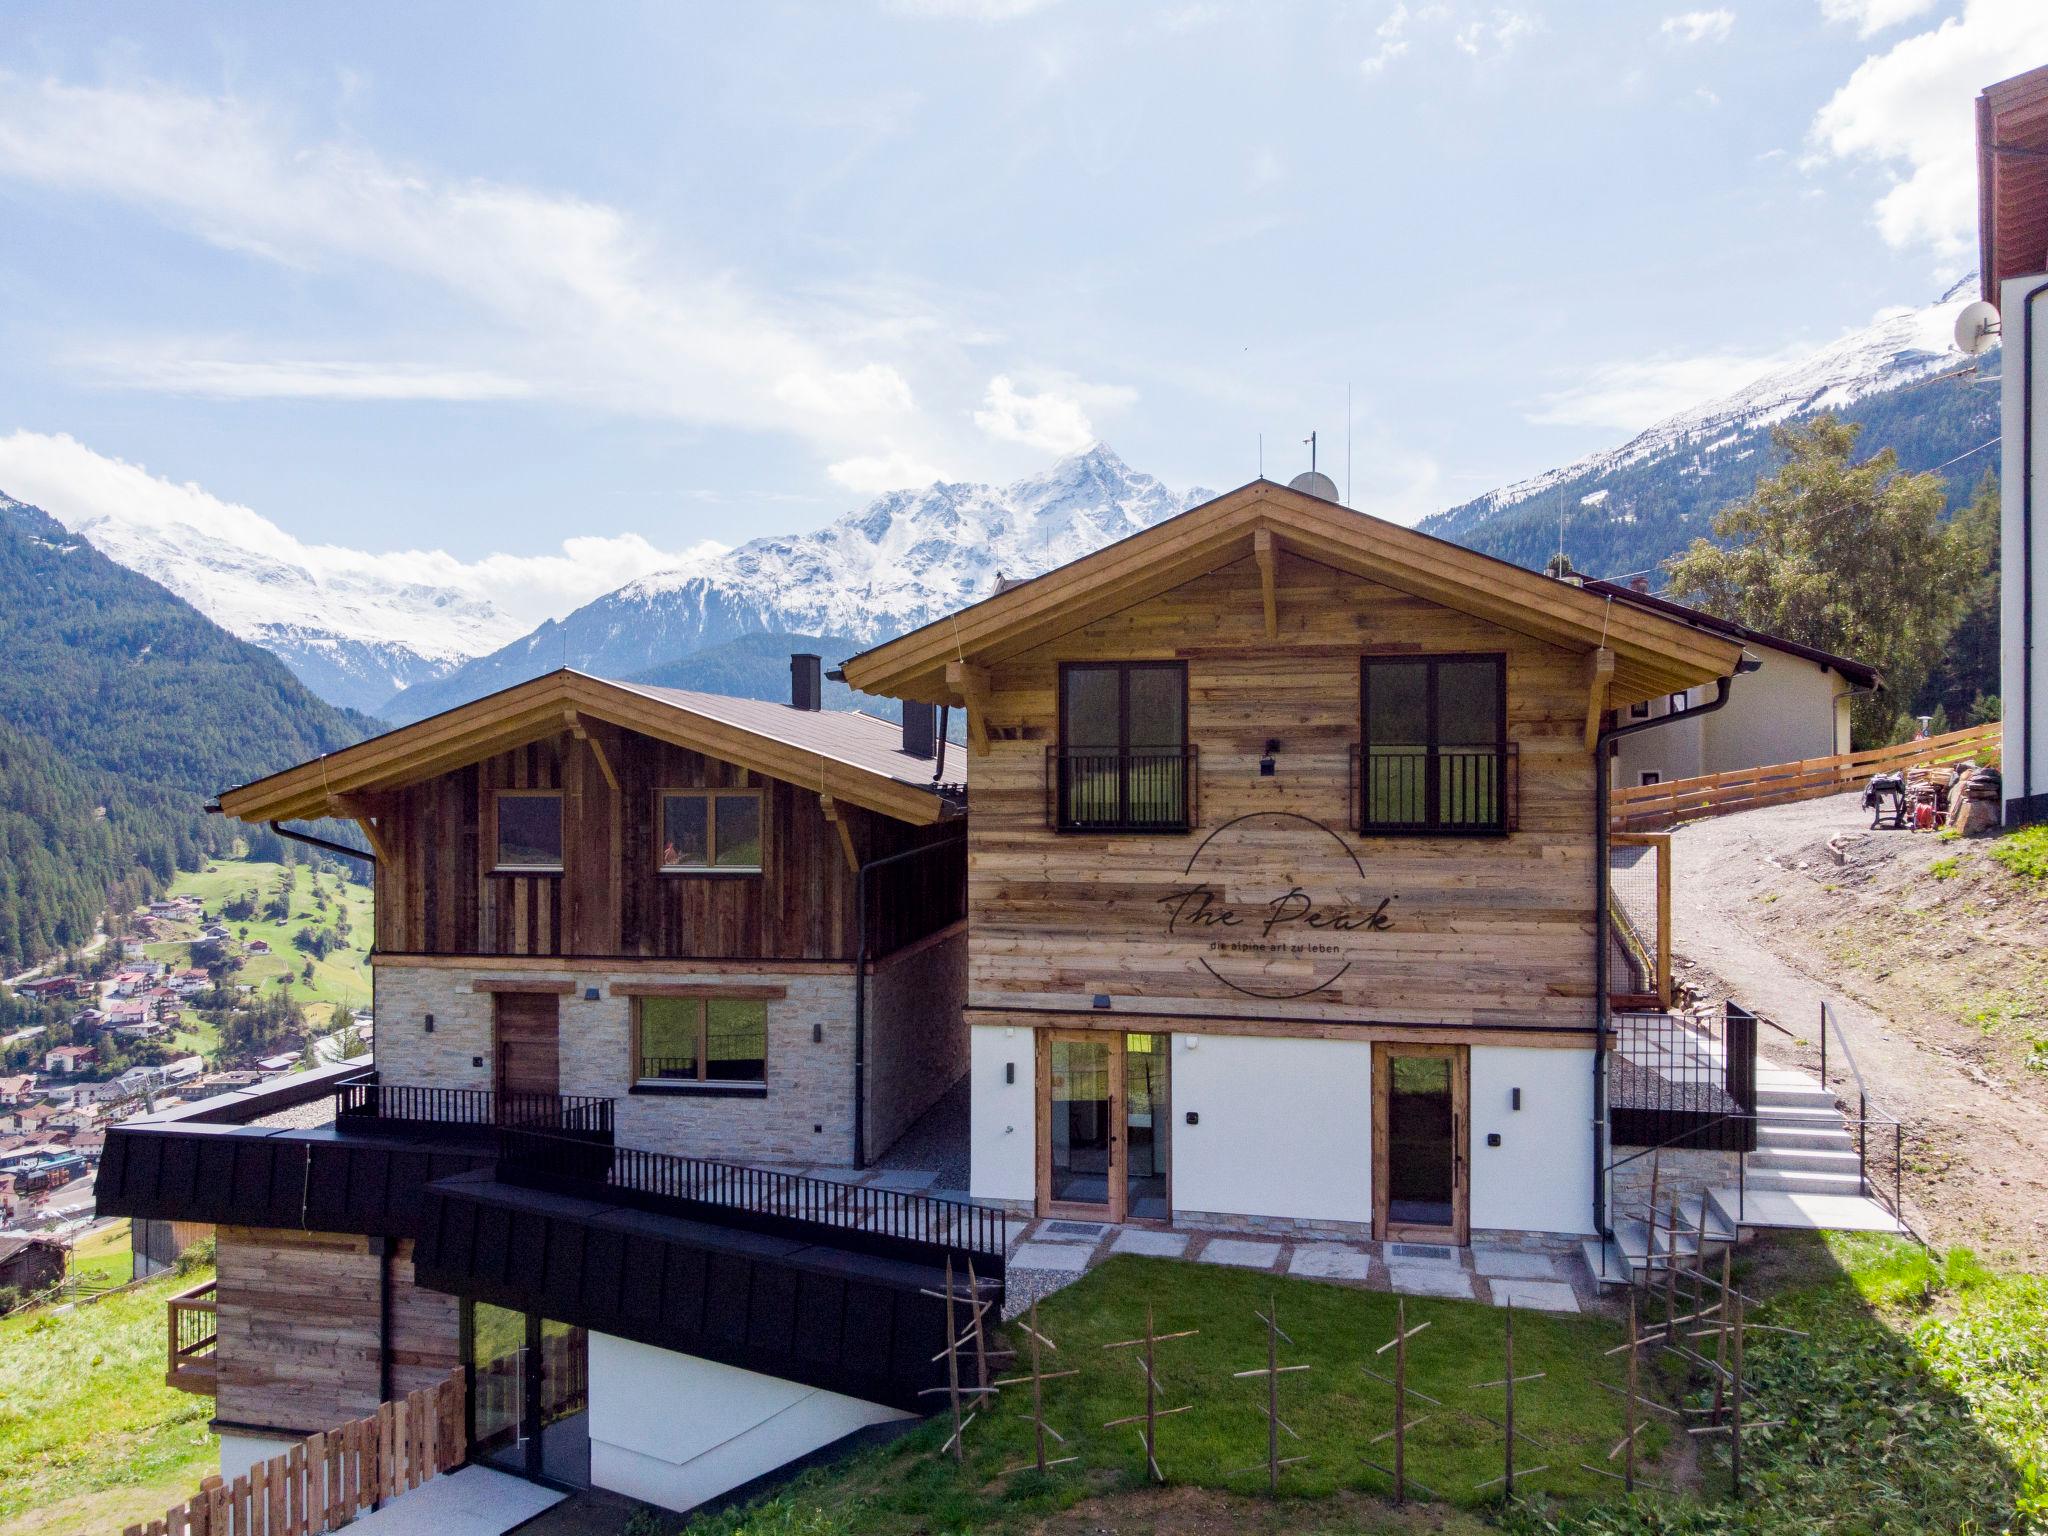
point(1780, 922)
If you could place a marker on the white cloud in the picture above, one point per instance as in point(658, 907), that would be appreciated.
point(1628, 396)
point(572, 298)
point(79, 487)
point(1391, 42)
point(1496, 33)
point(1874, 15)
point(1912, 109)
point(1705, 96)
point(869, 474)
point(1699, 26)
point(1055, 419)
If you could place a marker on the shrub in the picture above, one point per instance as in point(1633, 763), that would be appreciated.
point(2024, 852)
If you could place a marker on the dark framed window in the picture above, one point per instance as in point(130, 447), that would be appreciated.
point(1123, 763)
point(709, 1039)
point(1434, 755)
point(1648, 778)
point(711, 831)
point(528, 831)
point(1678, 704)
point(1639, 711)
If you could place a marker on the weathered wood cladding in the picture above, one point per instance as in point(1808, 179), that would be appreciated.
point(438, 895)
point(1485, 931)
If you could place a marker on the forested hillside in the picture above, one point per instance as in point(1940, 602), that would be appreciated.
point(122, 710)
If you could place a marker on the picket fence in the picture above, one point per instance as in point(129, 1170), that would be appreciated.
point(1744, 789)
point(324, 1482)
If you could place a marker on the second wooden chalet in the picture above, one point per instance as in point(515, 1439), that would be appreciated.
point(1287, 872)
point(738, 918)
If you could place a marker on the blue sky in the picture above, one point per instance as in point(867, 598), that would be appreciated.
point(483, 278)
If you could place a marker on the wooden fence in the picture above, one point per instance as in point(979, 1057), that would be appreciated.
point(322, 1483)
point(1743, 789)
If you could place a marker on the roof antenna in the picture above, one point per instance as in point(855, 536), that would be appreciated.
point(1347, 443)
point(1262, 455)
point(1311, 441)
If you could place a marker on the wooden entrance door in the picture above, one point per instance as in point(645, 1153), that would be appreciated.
point(1421, 1172)
point(527, 1043)
point(1081, 1145)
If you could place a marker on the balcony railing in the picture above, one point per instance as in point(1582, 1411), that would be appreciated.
point(370, 1103)
point(191, 1319)
point(1443, 792)
point(1684, 1080)
point(1147, 790)
point(882, 1221)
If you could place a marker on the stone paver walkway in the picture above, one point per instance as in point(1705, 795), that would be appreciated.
point(1046, 1255)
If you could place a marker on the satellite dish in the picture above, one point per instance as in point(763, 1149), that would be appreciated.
point(1314, 482)
point(1976, 327)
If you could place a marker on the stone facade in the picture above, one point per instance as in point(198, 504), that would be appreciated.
point(917, 1049)
point(917, 1035)
point(1680, 1172)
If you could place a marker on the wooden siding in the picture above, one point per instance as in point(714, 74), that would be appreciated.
point(437, 893)
point(299, 1328)
point(1486, 931)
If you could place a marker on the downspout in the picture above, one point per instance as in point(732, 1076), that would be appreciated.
point(323, 844)
point(2027, 548)
point(860, 989)
point(1603, 750)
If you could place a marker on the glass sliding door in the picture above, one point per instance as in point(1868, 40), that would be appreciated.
point(1082, 1135)
point(1148, 1128)
point(1419, 1174)
point(529, 1395)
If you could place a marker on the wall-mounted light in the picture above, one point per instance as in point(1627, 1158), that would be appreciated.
point(1266, 762)
point(590, 994)
point(1102, 999)
point(817, 1033)
point(1514, 1098)
point(1009, 1072)
point(430, 1024)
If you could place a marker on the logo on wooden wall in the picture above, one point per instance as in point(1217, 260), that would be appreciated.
point(1278, 901)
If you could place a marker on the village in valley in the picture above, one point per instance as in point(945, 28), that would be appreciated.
point(721, 921)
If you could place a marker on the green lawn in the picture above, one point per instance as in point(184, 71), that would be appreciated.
point(1915, 1402)
point(104, 1257)
point(341, 981)
point(91, 1439)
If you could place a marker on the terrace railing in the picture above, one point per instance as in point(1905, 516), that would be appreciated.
point(1437, 791)
point(370, 1103)
point(191, 1320)
point(886, 1222)
point(1684, 1080)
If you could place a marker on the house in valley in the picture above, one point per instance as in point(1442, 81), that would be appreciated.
point(30, 1263)
point(632, 944)
point(1287, 872)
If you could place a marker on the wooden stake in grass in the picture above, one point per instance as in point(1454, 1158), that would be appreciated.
point(1399, 1382)
point(1153, 1412)
point(1507, 1426)
point(1273, 1371)
point(1038, 1378)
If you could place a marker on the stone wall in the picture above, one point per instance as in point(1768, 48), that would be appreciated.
point(805, 1118)
point(917, 1035)
point(1679, 1171)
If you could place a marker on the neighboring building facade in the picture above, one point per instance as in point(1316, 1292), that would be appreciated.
point(1284, 863)
point(2012, 169)
point(1795, 705)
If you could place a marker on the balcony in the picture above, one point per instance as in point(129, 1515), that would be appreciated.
point(1148, 790)
point(192, 1335)
point(1435, 792)
point(373, 1105)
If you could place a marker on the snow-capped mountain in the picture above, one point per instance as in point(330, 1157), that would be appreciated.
point(1626, 508)
point(349, 630)
point(902, 560)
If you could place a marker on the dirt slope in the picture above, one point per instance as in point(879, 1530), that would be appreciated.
point(1936, 961)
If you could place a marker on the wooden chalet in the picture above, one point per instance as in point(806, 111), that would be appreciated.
point(1286, 871)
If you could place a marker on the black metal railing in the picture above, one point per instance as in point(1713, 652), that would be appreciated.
point(1149, 789)
point(1474, 791)
point(1686, 1080)
point(366, 1103)
point(888, 1222)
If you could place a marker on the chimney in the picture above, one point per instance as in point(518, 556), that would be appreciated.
point(920, 728)
point(806, 681)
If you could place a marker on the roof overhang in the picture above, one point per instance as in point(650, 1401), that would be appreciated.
point(2012, 179)
point(336, 784)
point(1653, 654)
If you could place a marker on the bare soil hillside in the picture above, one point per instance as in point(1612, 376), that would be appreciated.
point(1935, 957)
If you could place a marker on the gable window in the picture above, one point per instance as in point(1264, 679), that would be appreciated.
point(1639, 711)
point(1678, 704)
point(716, 831)
point(529, 831)
point(708, 1041)
point(1123, 763)
point(1435, 754)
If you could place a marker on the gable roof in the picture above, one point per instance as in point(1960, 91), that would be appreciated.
point(1860, 673)
point(2012, 179)
point(1653, 652)
point(853, 757)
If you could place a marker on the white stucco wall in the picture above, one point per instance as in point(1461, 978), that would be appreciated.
point(2017, 431)
point(1540, 1178)
point(676, 1430)
point(239, 1452)
point(1788, 709)
point(1003, 1118)
point(1285, 1129)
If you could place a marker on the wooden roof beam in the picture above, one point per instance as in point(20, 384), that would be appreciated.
point(1267, 556)
point(1599, 680)
point(972, 685)
point(837, 817)
point(604, 763)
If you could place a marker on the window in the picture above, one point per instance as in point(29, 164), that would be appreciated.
point(1677, 704)
point(529, 830)
point(1639, 711)
point(1123, 761)
point(1435, 748)
point(1648, 777)
point(711, 830)
point(714, 1040)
